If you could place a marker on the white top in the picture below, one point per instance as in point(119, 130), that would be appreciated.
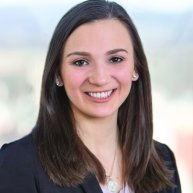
point(126, 189)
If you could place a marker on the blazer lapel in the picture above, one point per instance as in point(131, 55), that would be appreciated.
point(91, 185)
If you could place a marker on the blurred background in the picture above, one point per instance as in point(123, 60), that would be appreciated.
point(166, 30)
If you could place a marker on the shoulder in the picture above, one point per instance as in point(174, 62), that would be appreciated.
point(17, 151)
point(17, 166)
point(164, 151)
point(21, 171)
point(166, 154)
point(168, 157)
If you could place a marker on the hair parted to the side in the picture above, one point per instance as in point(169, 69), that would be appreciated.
point(62, 153)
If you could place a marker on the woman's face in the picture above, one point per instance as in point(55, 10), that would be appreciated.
point(97, 68)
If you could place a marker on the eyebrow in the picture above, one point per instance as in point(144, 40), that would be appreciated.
point(114, 51)
point(82, 53)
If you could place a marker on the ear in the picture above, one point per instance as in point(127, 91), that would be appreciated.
point(58, 81)
point(135, 76)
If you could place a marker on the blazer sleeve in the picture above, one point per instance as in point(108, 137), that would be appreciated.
point(16, 170)
point(169, 158)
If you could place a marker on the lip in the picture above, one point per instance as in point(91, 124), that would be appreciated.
point(102, 99)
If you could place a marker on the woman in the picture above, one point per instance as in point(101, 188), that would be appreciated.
point(94, 129)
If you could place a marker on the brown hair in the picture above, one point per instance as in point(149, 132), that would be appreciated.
point(62, 153)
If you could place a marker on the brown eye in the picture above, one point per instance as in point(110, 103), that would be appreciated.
point(116, 60)
point(80, 63)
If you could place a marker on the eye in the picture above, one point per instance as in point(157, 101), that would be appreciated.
point(116, 60)
point(80, 63)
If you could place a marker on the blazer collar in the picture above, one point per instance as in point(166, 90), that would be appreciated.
point(91, 185)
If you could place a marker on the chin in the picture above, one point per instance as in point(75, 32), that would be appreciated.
point(101, 114)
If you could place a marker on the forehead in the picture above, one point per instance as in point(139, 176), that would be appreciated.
point(99, 34)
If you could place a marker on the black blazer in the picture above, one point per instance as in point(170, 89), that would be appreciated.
point(20, 171)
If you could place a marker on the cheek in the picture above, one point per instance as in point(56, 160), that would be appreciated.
point(72, 80)
point(124, 75)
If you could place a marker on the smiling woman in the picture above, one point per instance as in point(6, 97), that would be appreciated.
point(102, 64)
point(94, 129)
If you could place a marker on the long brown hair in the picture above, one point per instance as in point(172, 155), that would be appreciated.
point(62, 153)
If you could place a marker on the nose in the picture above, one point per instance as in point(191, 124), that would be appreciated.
point(99, 76)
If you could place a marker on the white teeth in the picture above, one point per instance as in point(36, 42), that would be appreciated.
point(100, 95)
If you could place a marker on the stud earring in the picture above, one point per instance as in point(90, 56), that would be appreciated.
point(58, 81)
point(135, 76)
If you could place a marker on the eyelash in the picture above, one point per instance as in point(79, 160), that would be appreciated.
point(116, 60)
point(80, 63)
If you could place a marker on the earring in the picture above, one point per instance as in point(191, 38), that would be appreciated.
point(58, 81)
point(135, 76)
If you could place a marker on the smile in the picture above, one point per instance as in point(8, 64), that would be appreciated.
point(100, 95)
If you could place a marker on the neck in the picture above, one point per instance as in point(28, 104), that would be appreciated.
point(98, 134)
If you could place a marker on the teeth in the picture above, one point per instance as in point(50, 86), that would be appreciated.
point(100, 95)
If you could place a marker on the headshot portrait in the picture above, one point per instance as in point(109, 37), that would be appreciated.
point(94, 129)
